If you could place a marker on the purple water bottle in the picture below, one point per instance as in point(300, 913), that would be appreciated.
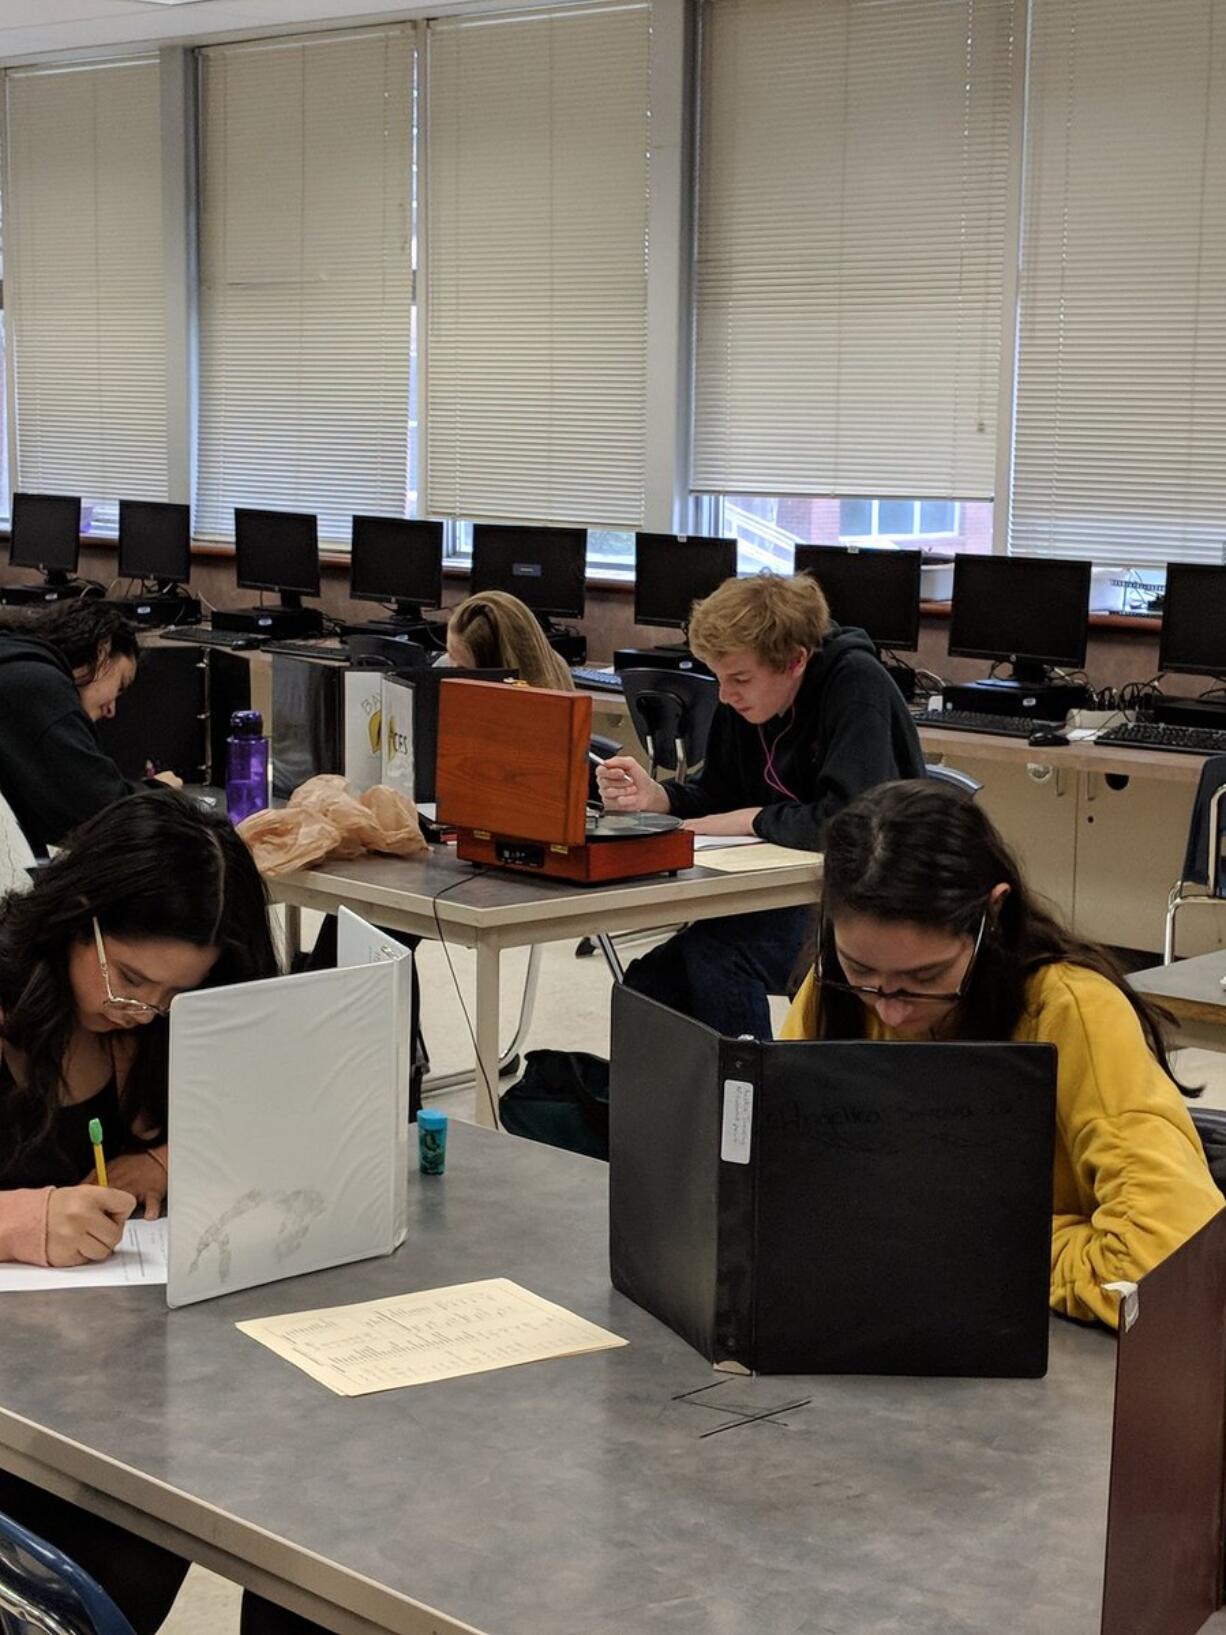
point(246, 765)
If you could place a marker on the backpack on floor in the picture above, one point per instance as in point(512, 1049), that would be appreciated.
point(561, 1100)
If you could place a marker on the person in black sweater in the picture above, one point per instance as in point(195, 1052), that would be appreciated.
point(808, 719)
point(62, 669)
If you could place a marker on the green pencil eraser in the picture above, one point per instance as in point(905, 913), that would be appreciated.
point(95, 1131)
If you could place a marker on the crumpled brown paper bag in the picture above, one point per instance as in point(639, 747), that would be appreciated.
point(326, 819)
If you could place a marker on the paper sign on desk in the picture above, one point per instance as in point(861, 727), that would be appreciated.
point(434, 1334)
point(748, 859)
point(140, 1257)
point(710, 843)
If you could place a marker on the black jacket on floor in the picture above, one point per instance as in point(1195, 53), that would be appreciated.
point(52, 772)
point(848, 731)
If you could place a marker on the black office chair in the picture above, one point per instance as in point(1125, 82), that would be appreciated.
point(1202, 862)
point(672, 711)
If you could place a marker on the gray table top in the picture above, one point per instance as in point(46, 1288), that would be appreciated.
point(582, 1496)
point(1196, 981)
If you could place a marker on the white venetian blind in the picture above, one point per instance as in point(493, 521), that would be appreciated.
point(306, 277)
point(1120, 437)
point(854, 166)
point(537, 266)
point(83, 285)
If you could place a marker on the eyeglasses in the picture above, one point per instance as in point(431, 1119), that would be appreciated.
point(117, 1002)
point(909, 994)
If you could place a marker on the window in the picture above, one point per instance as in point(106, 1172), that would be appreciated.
point(769, 528)
point(83, 289)
point(306, 288)
point(854, 162)
point(536, 265)
point(1121, 372)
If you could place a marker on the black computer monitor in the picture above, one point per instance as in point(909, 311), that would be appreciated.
point(545, 567)
point(1193, 636)
point(277, 550)
point(397, 560)
point(1032, 610)
point(877, 591)
point(46, 534)
point(673, 571)
point(155, 541)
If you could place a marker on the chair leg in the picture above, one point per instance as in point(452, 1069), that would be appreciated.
point(605, 944)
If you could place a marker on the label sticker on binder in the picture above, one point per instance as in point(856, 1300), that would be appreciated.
point(737, 1133)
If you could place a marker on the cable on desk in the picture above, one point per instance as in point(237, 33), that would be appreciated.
point(455, 982)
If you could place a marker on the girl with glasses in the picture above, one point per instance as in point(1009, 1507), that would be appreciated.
point(929, 931)
point(150, 899)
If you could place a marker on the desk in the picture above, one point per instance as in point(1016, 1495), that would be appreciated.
point(1191, 989)
point(492, 911)
point(576, 1497)
point(1100, 831)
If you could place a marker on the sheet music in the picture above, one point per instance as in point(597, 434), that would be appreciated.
point(434, 1334)
point(733, 860)
point(140, 1257)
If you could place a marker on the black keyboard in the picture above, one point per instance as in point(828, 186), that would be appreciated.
point(213, 638)
point(311, 650)
point(1005, 726)
point(602, 681)
point(1165, 735)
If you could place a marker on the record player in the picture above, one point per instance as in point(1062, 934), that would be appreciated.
point(513, 781)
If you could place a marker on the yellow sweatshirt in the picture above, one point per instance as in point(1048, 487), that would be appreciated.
point(1130, 1182)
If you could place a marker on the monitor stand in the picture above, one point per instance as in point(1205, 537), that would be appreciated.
point(169, 603)
point(281, 622)
point(1045, 700)
point(55, 586)
point(407, 620)
point(569, 645)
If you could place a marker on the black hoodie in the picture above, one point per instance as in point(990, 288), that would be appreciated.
point(52, 772)
point(848, 730)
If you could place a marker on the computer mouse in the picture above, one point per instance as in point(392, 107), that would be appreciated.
point(240, 644)
point(1048, 739)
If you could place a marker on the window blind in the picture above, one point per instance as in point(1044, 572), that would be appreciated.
point(83, 285)
point(1120, 439)
point(306, 278)
point(536, 252)
point(853, 188)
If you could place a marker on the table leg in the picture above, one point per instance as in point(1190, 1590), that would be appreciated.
point(486, 1028)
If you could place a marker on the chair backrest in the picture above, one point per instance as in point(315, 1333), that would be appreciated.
point(16, 853)
point(43, 1590)
point(962, 781)
point(1202, 858)
point(672, 712)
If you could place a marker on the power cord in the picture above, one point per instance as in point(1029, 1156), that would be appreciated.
point(445, 891)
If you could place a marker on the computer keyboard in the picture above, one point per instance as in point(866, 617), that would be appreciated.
point(1005, 726)
point(1165, 735)
point(311, 650)
point(214, 638)
point(602, 681)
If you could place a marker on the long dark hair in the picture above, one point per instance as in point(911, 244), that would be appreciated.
point(920, 852)
point(154, 865)
point(85, 631)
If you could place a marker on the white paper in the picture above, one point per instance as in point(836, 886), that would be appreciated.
point(363, 727)
point(399, 767)
point(706, 843)
point(139, 1258)
point(736, 1135)
point(433, 1334)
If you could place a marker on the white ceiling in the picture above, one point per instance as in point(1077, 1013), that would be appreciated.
point(37, 27)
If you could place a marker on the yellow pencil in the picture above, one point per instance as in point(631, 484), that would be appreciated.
point(95, 1135)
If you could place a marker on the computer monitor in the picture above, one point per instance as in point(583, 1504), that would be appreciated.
point(155, 541)
point(397, 560)
point(875, 590)
point(46, 534)
point(545, 567)
point(673, 571)
point(1031, 610)
point(277, 550)
point(1193, 636)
